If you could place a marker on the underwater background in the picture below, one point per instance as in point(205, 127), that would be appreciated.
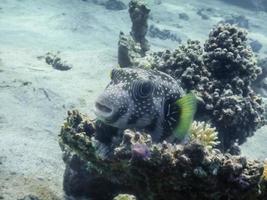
point(82, 36)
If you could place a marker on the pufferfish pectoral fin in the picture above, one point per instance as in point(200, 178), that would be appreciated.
point(188, 106)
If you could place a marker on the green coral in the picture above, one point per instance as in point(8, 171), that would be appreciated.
point(204, 133)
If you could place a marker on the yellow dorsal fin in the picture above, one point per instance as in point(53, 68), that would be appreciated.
point(188, 106)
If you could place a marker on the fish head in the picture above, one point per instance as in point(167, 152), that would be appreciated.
point(129, 99)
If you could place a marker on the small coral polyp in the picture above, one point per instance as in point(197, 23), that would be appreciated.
point(204, 133)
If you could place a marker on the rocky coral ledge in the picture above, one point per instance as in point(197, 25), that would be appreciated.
point(134, 165)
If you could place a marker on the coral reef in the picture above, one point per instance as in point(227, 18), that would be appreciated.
point(135, 45)
point(102, 162)
point(184, 63)
point(204, 133)
point(236, 109)
point(168, 171)
point(228, 55)
point(221, 73)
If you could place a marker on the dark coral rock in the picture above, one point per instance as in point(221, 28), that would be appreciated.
point(164, 34)
point(115, 5)
point(170, 172)
point(101, 130)
point(81, 180)
point(139, 13)
point(135, 45)
point(128, 50)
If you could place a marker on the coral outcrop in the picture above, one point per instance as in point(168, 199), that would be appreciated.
point(135, 45)
point(221, 73)
point(139, 13)
point(135, 165)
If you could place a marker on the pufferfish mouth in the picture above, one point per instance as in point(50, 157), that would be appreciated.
point(103, 108)
point(103, 111)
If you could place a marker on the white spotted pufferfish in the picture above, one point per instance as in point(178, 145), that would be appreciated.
point(147, 100)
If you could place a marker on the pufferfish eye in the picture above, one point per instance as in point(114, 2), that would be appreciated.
point(142, 89)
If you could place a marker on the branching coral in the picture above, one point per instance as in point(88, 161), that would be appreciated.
point(204, 133)
point(228, 55)
point(184, 63)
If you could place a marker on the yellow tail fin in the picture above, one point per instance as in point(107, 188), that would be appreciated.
point(188, 106)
